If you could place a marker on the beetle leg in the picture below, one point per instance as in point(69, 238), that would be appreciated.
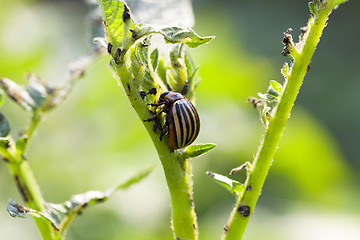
point(154, 104)
point(165, 129)
point(151, 119)
point(156, 125)
point(163, 132)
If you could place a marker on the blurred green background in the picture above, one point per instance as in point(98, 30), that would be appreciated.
point(93, 140)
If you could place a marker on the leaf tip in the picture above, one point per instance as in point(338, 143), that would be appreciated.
point(196, 150)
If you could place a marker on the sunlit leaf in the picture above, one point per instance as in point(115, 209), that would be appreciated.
point(337, 2)
point(285, 70)
point(113, 12)
point(114, 26)
point(276, 86)
point(154, 56)
point(196, 150)
point(233, 186)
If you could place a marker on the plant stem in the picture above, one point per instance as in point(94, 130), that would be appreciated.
point(180, 186)
point(26, 182)
point(31, 194)
point(246, 203)
point(177, 170)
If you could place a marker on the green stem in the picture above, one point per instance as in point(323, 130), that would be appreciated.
point(35, 120)
point(177, 170)
point(246, 203)
point(31, 194)
point(24, 178)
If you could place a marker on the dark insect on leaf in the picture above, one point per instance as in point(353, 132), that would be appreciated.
point(4, 126)
point(37, 89)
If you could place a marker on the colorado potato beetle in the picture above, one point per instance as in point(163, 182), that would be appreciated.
point(182, 120)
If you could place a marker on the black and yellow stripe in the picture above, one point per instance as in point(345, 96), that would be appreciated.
point(186, 122)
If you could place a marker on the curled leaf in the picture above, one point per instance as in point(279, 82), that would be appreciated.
point(175, 35)
point(18, 94)
point(183, 35)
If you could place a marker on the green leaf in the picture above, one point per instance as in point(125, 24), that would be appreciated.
point(37, 89)
point(162, 70)
point(196, 150)
point(141, 58)
point(177, 76)
point(4, 126)
point(135, 179)
point(338, 2)
point(154, 56)
point(285, 70)
point(183, 35)
point(276, 86)
point(233, 186)
point(113, 12)
point(18, 94)
point(63, 214)
point(175, 35)
point(312, 8)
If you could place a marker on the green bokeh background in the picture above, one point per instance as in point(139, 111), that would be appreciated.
point(94, 139)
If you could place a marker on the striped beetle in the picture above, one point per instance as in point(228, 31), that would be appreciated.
point(182, 120)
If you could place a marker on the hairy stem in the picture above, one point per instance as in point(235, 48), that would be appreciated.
point(29, 190)
point(177, 170)
point(246, 203)
point(31, 194)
